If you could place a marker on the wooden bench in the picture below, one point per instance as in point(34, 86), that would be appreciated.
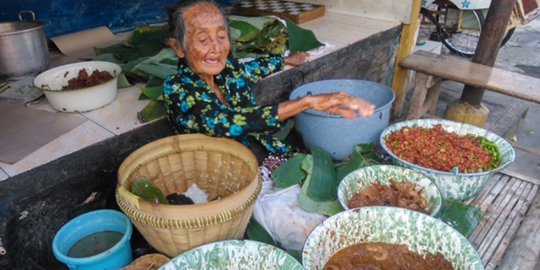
point(432, 68)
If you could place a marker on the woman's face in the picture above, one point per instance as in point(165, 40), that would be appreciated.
point(207, 40)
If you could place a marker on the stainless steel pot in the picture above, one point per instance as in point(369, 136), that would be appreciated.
point(23, 47)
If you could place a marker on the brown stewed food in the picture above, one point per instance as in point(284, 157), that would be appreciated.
point(398, 194)
point(382, 256)
point(84, 80)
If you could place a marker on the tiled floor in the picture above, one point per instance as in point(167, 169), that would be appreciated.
point(334, 29)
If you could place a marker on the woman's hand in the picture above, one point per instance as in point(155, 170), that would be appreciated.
point(342, 104)
point(296, 59)
point(339, 103)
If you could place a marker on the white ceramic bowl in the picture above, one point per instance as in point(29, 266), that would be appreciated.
point(459, 186)
point(361, 179)
point(421, 233)
point(79, 100)
point(234, 255)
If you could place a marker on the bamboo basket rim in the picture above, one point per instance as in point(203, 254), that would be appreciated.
point(143, 211)
point(189, 223)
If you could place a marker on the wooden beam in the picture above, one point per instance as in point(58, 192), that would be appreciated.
point(406, 46)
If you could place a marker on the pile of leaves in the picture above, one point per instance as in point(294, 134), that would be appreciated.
point(320, 177)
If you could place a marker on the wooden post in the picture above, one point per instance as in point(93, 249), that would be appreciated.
point(493, 32)
point(406, 46)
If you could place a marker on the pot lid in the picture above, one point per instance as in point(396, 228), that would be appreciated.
point(14, 28)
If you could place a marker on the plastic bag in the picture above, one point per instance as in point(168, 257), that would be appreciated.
point(278, 212)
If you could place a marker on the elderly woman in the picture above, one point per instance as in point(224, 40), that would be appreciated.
point(212, 93)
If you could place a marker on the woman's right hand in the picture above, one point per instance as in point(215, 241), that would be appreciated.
point(342, 104)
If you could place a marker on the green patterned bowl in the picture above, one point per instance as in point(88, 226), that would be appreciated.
point(361, 179)
point(421, 233)
point(234, 255)
point(459, 186)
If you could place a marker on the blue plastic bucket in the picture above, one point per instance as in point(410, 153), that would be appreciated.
point(334, 134)
point(90, 223)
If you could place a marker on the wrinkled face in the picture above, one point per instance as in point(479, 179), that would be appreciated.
point(207, 40)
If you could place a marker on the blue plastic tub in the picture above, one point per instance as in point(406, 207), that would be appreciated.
point(337, 135)
point(87, 224)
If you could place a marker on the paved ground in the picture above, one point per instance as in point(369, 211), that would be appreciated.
point(514, 119)
point(517, 121)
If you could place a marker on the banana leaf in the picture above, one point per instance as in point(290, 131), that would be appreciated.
point(362, 156)
point(289, 173)
point(256, 232)
point(157, 70)
point(159, 65)
point(327, 208)
point(154, 110)
point(285, 131)
point(148, 40)
point(259, 22)
point(153, 89)
point(247, 31)
point(323, 185)
point(300, 39)
point(120, 51)
point(123, 81)
point(462, 217)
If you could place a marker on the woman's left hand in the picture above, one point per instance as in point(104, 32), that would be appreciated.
point(296, 59)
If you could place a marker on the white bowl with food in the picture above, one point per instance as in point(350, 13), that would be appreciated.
point(388, 185)
point(388, 238)
point(80, 87)
point(460, 158)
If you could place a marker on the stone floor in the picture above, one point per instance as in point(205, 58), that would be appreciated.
point(508, 237)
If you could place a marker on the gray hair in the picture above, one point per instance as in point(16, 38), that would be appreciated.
point(177, 25)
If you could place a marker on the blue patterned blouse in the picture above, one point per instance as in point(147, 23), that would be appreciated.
point(193, 107)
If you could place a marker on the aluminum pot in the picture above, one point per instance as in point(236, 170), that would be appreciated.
point(23, 47)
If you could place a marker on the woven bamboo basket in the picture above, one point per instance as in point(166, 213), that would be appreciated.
point(225, 169)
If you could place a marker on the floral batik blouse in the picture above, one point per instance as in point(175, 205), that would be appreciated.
point(193, 107)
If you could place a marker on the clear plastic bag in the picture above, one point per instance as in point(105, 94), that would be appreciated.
point(278, 212)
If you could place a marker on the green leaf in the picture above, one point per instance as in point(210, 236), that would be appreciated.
point(156, 70)
point(153, 89)
point(363, 156)
point(259, 22)
point(462, 217)
point(285, 131)
point(256, 232)
point(247, 31)
point(148, 34)
point(323, 184)
point(327, 208)
point(154, 110)
point(301, 39)
point(159, 65)
point(123, 81)
point(289, 173)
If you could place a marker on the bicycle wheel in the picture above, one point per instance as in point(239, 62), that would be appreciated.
point(464, 42)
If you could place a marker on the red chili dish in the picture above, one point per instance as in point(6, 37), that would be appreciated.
point(437, 149)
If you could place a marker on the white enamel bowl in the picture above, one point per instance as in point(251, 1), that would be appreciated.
point(53, 80)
